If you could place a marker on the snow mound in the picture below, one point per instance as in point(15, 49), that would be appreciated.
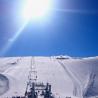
point(4, 84)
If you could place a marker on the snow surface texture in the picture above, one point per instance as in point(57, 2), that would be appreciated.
point(72, 77)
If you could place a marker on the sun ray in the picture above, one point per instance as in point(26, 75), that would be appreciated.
point(12, 41)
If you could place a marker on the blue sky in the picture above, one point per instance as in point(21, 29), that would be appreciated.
point(71, 30)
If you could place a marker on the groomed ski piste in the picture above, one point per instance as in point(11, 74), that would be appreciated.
point(69, 77)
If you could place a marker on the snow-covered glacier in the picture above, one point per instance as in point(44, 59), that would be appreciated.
point(69, 76)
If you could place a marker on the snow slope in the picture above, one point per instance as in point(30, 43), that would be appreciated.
point(68, 77)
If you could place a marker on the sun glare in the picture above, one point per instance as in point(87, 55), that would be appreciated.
point(34, 9)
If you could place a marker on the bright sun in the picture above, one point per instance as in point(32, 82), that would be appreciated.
point(34, 9)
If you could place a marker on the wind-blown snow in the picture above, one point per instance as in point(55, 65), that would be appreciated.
point(68, 76)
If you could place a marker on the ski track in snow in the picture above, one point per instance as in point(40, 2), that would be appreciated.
point(77, 91)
